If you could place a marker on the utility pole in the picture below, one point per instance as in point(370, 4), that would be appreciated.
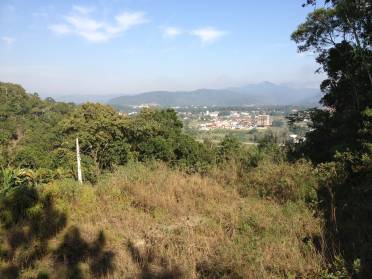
point(80, 179)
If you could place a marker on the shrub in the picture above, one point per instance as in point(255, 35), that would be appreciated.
point(156, 148)
point(13, 178)
point(116, 153)
point(191, 155)
point(90, 171)
point(283, 181)
point(17, 195)
point(345, 201)
point(28, 157)
point(230, 148)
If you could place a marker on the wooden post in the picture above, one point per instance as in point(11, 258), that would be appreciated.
point(80, 179)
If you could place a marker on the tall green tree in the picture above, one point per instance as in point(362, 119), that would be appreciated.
point(100, 132)
point(28, 132)
point(340, 33)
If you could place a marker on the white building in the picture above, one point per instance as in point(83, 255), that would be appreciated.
point(263, 120)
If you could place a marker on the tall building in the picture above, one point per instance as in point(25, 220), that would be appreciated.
point(263, 120)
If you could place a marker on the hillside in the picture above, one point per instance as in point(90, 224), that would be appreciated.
point(265, 93)
point(149, 221)
point(88, 191)
point(155, 203)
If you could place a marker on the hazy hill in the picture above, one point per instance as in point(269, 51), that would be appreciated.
point(79, 99)
point(264, 93)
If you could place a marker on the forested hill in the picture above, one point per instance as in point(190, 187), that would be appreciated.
point(265, 93)
point(28, 127)
point(40, 134)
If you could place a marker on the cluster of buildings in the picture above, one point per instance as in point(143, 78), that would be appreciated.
point(233, 121)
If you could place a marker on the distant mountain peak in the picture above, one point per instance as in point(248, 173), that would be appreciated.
point(264, 93)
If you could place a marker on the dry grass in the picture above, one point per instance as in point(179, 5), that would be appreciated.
point(161, 223)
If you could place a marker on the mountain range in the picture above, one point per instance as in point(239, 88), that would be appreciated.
point(265, 93)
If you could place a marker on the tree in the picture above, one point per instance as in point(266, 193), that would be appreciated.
point(340, 33)
point(100, 132)
point(230, 148)
point(28, 124)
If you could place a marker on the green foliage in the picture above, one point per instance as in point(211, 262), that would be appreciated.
point(340, 137)
point(13, 178)
point(346, 188)
point(12, 101)
point(98, 128)
point(31, 157)
point(42, 135)
point(339, 34)
point(229, 148)
point(150, 123)
point(28, 127)
point(116, 153)
point(17, 194)
point(269, 146)
point(192, 156)
point(156, 148)
point(283, 181)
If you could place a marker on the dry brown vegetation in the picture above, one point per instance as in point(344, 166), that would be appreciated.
point(161, 223)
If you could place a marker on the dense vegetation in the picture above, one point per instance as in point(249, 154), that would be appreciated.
point(40, 134)
point(341, 34)
point(156, 203)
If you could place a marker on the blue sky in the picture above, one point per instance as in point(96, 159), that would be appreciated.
point(102, 47)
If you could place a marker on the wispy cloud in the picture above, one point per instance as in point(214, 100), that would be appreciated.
point(171, 32)
point(81, 22)
point(83, 9)
point(208, 35)
point(8, 40)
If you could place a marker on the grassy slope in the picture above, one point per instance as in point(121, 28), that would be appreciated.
point(161, 222)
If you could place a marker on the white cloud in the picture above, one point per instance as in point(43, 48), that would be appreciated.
point(125, 21)
point(81, 23)
point(171, 32)
point(8, 40)
point(208, 34)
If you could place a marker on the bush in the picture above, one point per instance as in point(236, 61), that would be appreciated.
point(345, 196)
point(156, 148)
point(283, 182)
point(44, 175)
point(31, 157)
point(230, 148)
point(116, 153)
point(17, 195)
point(89, 170)
point(191, 155)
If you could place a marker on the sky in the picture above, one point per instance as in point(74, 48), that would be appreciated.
point(110, 47)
